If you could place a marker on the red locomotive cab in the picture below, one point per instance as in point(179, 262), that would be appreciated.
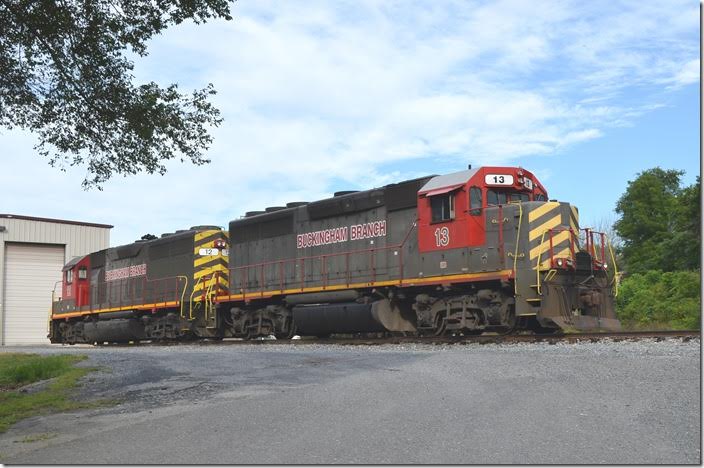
point(451, 208)
point(75, 285)
point(446, 213)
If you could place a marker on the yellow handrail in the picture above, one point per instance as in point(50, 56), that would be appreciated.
point(183, 293)
point(537, 265)
point(190, 301)
point(515, 254)
point(208, 302)
point(613, 261)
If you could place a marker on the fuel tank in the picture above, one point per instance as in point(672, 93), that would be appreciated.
point(114, 331)
point(345, 317)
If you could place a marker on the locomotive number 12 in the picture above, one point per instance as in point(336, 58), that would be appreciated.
point(442, 237)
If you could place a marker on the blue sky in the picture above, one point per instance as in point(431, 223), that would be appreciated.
point(325, 96)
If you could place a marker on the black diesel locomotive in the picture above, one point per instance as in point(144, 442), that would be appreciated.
point(474, 251)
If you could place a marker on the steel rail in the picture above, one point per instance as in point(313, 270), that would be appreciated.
point(684, 335)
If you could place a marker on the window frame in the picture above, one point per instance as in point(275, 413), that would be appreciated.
point(451, 207)
point(475, 210)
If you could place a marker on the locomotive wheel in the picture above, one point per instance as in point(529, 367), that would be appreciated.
point(287, 335)
point(439, 327)
point(248, 335)
point(437, 331)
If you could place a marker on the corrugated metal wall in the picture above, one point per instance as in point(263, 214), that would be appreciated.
point(78, 240)
point(30, 269)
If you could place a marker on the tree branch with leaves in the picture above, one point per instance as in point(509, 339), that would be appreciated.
point(64, 76)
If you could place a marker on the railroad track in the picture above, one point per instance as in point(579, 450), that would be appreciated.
point(684, 335)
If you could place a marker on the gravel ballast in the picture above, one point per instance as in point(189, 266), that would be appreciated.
point(603, 402)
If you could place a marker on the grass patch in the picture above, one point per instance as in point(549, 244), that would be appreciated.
point(17, 370)
point(22, 369)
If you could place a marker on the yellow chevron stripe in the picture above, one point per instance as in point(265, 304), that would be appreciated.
point(203, 260)
point(545, 246)
point(549, 224)
point(203, 234)
point(221, 281)
point(575, 213)
point(574, 219)
point(205, 285)
point(209, 271)
point(541, 210)
point(566, 253)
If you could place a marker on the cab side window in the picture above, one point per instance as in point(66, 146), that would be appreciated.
point(442, 208)
point(69, 276)
point(540, 197)
point(475, 201)
point(82, 273)
point(495, 198)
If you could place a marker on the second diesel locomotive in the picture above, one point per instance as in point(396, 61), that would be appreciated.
point(469, 252)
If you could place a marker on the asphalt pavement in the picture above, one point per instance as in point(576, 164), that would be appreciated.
point(606, 402)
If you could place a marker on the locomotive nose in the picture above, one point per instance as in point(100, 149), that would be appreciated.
point(573, 284)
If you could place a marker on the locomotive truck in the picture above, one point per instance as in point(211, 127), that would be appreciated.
point(480, 250)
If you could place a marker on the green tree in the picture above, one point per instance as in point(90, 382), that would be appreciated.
point(687, 237)
point(659, 222)
point(65, 75)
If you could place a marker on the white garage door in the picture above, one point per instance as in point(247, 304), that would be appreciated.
point(31, 270)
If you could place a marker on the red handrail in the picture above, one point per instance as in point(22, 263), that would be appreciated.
point(157, 292)
point(301, 261)
point(589, 245)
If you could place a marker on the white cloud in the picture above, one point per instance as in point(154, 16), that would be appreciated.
point(688, 74)
point(319, 96)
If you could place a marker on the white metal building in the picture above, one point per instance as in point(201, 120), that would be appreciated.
point(32, 253)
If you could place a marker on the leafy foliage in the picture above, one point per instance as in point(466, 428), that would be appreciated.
point(660, 229)
point(659, 222)
point(64, 76)
point(668, 300)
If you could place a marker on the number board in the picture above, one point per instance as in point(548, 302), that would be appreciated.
point(208, 252)
point(498, 179)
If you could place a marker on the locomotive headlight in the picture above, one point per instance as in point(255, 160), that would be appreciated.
point(559, 262)
point(220, 244)
point(606, 266)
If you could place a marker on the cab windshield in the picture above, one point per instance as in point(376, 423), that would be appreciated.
point(501, 198)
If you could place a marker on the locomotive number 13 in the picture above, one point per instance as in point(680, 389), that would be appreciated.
point(442, 237)
point(498, 179)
